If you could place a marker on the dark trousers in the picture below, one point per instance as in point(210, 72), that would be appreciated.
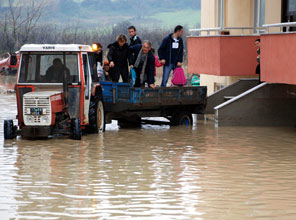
point(258, 72)
point(116, 71)
point(138, 78)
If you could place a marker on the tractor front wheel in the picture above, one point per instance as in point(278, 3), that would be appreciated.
point(9, 130)
point(76, 129)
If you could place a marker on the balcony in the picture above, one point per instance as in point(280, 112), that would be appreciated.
point(278, 63)
point(222, 55)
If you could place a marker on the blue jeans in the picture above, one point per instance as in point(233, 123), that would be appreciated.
point(166, 74)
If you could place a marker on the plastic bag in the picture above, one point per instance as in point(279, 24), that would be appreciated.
point(133, 75)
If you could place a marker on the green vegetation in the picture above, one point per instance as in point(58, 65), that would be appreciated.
point(188, 17)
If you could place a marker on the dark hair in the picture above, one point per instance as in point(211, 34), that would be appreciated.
point(132, 27)
point(153, 50)
point(99, 44)
point(257, 40)
point(178, 28)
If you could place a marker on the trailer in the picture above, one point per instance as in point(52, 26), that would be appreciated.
point(125, 103)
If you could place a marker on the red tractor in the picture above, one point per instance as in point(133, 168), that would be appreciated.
point(9, 63)
point(56, 92)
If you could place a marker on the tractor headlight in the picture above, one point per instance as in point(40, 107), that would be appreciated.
point(44, 119)
point(30, 119)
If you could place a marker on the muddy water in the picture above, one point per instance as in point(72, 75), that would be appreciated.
point(155, 172)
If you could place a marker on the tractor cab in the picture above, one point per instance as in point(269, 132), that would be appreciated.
point(55, 92)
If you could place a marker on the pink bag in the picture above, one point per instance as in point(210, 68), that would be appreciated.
point(179, 77)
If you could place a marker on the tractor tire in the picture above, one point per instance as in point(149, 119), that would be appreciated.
point(9, 130)
point(97, 121)
point(182, 118)
point(76, 129)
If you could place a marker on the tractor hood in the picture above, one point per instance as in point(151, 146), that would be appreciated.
point(43, 94)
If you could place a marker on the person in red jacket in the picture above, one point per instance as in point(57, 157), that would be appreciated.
point(157, 63)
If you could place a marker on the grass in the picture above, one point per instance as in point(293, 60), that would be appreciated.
point(188, 17)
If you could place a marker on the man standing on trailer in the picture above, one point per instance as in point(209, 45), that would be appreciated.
point(134, 38)
point(170, 53)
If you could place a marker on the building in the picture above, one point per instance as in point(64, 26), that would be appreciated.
point(223, 50)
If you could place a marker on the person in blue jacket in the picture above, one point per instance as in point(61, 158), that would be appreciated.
point(144, 64)
point(170, 53)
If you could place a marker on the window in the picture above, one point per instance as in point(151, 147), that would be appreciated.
point(259, 14)
point(48, 68)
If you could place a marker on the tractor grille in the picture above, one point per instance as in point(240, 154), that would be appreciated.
point(36, 108)
point(37, 103)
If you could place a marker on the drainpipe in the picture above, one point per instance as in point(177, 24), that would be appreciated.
point(258, 15)
point(220, 14)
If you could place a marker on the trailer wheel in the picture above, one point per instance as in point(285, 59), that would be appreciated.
point(97, 122)
point(76, 129)
point(183, 118)
point(9, 130)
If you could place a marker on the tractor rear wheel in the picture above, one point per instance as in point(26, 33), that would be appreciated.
point(97, 122)
point(9, 130)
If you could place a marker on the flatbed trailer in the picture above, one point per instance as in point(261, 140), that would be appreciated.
point(126, 103)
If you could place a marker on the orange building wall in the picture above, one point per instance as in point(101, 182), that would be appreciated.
point(278, 59)
point(222, 55)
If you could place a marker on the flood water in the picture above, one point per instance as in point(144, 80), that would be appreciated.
point(153, 172)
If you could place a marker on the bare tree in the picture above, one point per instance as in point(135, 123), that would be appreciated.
point(18, 21)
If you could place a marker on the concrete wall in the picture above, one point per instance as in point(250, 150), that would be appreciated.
point(273, 13)
point(238, 13)
point(208, 13)
point(278, 58)
point(222, 55)
point(270, 105)
point(233, 90)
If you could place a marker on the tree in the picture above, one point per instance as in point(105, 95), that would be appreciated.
point(18, 21)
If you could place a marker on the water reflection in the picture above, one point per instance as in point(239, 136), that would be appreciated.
point(154, 172)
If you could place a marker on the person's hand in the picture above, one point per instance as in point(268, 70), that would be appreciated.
point(179, 64)
point(162, 61)
point(111, 64)
point(152, 86)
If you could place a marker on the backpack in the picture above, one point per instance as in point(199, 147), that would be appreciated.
point(179, 77)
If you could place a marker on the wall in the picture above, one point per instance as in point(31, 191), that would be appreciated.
point(273, 13)
point(278, 58)
point(269, 105)
point(208, 13)
point(238, 13)
point(222, 55)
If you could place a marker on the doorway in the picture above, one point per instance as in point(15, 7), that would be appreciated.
point(289, 12)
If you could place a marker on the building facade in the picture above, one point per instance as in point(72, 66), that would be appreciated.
point(224, 55)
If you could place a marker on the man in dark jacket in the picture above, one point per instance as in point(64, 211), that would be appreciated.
point(170, 53)
point(118, 59)
point(134, 37)
point(144, 64)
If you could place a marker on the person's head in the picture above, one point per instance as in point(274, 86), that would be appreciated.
point(153, 50)
point(132, 31)
point(146, 46)
point(121, 39)
point(178, 31)
point(106, 65)
point(99, 47)
point(257, 43)
point(57, 63)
